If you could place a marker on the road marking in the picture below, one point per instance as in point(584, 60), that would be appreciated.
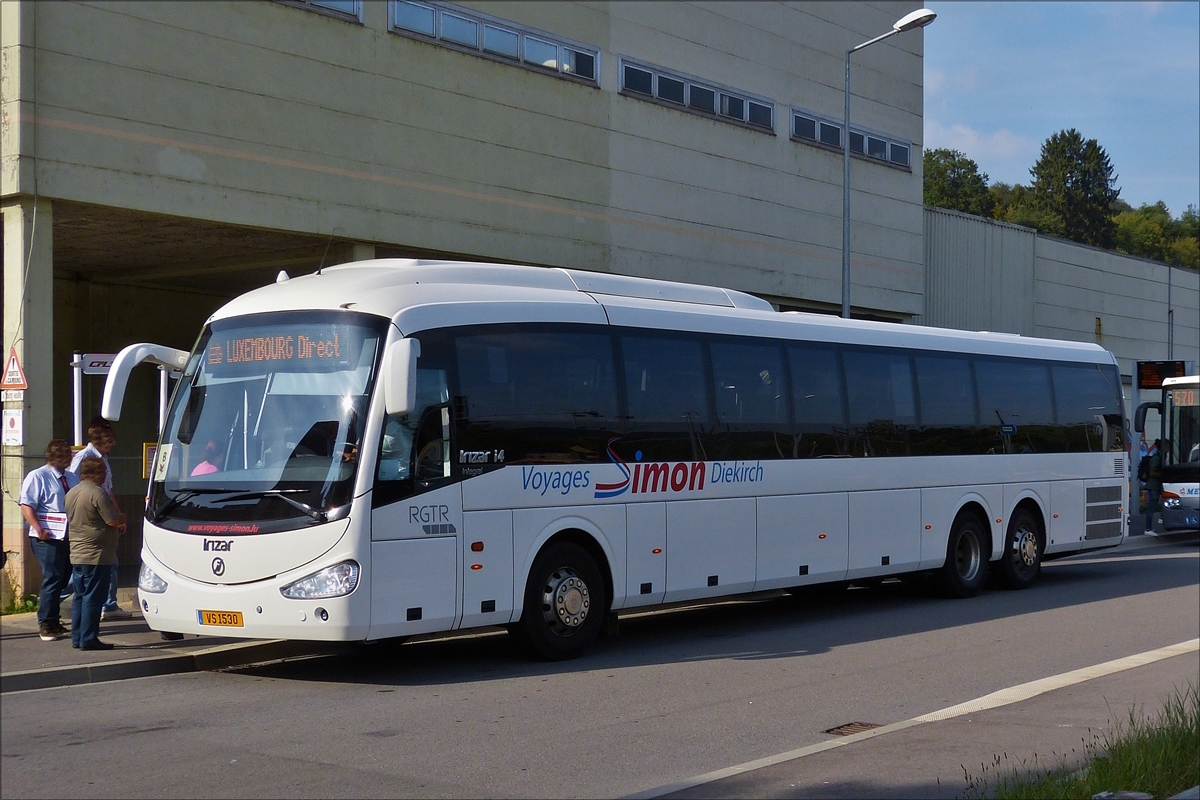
point(1069, 561)
point(1013, 694)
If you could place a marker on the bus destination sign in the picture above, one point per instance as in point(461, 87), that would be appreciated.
point(300, 348)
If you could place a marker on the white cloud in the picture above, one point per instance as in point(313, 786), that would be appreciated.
point(997, 145)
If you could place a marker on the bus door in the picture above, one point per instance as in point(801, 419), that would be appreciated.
point(416, 517)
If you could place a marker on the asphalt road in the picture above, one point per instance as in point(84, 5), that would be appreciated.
point(676, 695)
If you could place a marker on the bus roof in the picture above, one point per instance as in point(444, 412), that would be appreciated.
point(418, 295)
point(1186, 380)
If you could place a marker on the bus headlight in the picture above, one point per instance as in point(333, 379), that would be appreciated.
point(336, 581)
point(148, 581)
point(1170, 502)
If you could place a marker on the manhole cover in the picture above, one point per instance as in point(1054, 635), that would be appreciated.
point(851, 728)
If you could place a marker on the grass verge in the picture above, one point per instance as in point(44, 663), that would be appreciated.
point(1158, 755)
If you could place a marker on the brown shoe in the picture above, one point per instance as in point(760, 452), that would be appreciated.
point(47, 632)
point(58, 628)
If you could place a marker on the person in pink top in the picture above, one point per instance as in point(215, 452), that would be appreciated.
point(211, 456)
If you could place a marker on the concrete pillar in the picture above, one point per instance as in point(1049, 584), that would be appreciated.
point(29, 327)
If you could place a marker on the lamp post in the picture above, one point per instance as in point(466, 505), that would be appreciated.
point(917, 19)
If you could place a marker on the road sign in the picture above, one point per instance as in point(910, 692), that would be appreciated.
point(14, 376)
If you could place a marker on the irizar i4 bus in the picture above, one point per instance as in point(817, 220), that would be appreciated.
point(389, 448)
point(1179, 412)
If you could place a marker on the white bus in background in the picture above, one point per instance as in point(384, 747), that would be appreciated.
point(1179, 411)
point(389, 448)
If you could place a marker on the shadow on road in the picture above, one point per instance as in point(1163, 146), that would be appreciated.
point(803, 622)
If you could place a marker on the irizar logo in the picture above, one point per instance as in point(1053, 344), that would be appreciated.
point(218, 545)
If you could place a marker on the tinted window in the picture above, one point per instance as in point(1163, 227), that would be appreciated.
point(581, 64)
point(557, 386)
point(760, 115)
point(880, 398)
point(899, 155)
point(1088, 402)
point(665, 389)
point(876, 148)
point(806, 128)
point(1016, 411)
point(637, 80)
point(818, 403)
point(946, 395)
point(733, 106)
point(831, 134)
point(751, 401)
point(703, 99)
point(856, 142)
point(670, 89)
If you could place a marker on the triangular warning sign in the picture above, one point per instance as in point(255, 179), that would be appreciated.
point(14, 376)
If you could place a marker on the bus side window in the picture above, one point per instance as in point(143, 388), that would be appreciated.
point(818, 402)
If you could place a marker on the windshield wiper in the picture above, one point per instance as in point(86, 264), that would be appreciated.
point(182, 496)
point(282, 494)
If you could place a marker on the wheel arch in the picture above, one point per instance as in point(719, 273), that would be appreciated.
point(1029, 502)
point(976, 506)
point(574, 531)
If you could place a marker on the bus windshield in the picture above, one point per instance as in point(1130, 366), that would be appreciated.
point(265, 429)
point(1183, 434)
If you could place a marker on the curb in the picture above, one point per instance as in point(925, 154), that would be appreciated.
point(213, 658)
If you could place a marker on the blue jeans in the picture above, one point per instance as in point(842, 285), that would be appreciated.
point(1152, 499)
point(91, 586)
point(54, 555)
point(111, 603)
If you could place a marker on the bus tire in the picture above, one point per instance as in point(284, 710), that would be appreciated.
point(967, 552)
point(565, 603)
point(1021, 562)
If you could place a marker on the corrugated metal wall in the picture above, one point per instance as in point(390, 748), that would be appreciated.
point(979, 274)
point(986, 275)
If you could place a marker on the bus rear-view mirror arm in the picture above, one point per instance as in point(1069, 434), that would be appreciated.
point(123, 364)
point(1139, 416)
point(400, 377)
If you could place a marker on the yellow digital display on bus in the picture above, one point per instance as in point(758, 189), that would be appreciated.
point(288, 348)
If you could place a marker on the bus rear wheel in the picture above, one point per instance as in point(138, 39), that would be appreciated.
point(565, 603)
point(1021, 563)
point(967, 553)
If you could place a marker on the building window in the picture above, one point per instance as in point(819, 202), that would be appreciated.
point(344, 9)
point(494, 38)
point(818, 129)
point(699, 96)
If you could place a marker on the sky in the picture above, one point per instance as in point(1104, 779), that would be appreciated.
point(1002, 77)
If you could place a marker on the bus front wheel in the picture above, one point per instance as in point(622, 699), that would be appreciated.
point(565, 603)
point(967, 552)
point(1018, 568)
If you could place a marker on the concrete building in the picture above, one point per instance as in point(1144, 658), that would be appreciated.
point(159, 158)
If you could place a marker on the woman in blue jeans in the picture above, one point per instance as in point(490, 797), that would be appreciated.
point(94, 523)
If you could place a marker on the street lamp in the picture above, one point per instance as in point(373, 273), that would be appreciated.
point(917, 19)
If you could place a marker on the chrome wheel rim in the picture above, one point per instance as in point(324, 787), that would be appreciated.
point(1025, 549)
point(565, 601)
point(968, 557)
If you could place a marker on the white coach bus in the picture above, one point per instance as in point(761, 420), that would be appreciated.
point(389, 448)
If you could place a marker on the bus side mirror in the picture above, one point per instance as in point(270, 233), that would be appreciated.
point(1139, 416)
point(400, 377)
point(123, 364)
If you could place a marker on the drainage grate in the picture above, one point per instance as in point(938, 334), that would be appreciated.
point(851, 728)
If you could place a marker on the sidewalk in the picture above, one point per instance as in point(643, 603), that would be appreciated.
point(26, 662)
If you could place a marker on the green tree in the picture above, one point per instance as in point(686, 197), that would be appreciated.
point(1143, 232)
point(1073, 188)
point(954, 181)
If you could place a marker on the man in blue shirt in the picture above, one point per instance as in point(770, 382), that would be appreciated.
point(101, 441)
point(42, 500)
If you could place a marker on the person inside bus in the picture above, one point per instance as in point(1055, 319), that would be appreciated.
point(213, 458)
point(1150, 471)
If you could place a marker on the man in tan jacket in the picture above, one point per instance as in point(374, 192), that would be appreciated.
point(95, 524)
